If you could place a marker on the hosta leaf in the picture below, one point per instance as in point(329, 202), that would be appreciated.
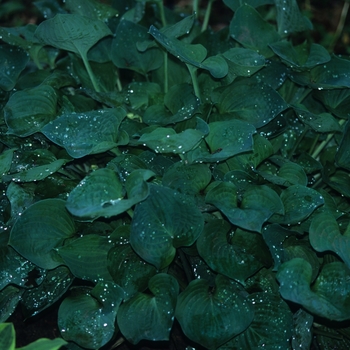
point(7, 336)
point(40, 230)
point(193, 54)
point(302, 337)
point(71, 32)
point(124, 50)
point(54, 285)
point(299, 202)
point(86, 257)
point(257, 205)
point(245, 62)
point(333, 74)
point(91, 8)
point(87, 316)
point(328, 297)
point(10, 296)
point(337, 101)
point(271, 327)
point(235, 4)
point(301, 56)
point(45, 344)
point(323, 122)
point(325, 235)
point(226, 258)
point(148, 316)
point(163, 222)
point(6, 160)
point(86, 133)
point(166, 140)
point(190, 179)
point(252, 31)
point(12, 62)
point(342, 157)
point(226, 139)
point(27, 111)
point(128, 270)
point(250, 102)
point(221, 313)
point(289, 18)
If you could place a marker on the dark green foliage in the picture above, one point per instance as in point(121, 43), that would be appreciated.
point(154, 170)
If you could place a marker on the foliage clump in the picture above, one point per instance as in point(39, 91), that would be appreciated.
point(153, 170)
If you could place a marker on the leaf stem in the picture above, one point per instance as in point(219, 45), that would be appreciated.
point(296, 144)
point(161, 12)
point(207, 16)
point(193, 71)
point(340, 26)
point(195, 7)
point(91, 73)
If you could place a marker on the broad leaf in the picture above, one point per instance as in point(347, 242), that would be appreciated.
point(87, 316)
point(235, 4)
point(27, 111)
point(86, 133)
point(342, 156)
point(222, 312)
point(228, 258)
point(40, 230)
point(156, 232)
point(91, 8)
point(148, 316)
point(328, 297)
point(325, 236)
point(10, 296)
point(7, 336)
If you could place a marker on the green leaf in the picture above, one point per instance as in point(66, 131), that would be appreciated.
point(27, 111)
point(91, 8)
point(302, 337)
point(301, 56)
point(12, 62)
point(166, 140)
point(271, 327)
point(245, 62)
point(248, 101)
point(325, 236)
point(87, 316)
point(336, 101)
point(252, 31)
point(86, 133)
point(124, 50)
point(7, 336)
point(221, 312)
point(193, 54)
point(45, 344)
point(148, 316)
point(257, 205)
point(127, 269)
point(228, 258)
point(328, 297)
point(10, 296)
point(54, 285)
point(42, 228)
point(86, 257)
point(289, 18)
point(71, 32)
point(323, 122)
point(101, 194)
point(6, 160)
point(156, 232)
point(190, 179)
point(342, 157)
point(235, 4)
point(299, 203)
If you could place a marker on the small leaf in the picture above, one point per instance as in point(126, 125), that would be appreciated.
point(156, 232)
point(86, 133)
point(342, 157)
point(42, 228)
point(147, 316)
point(27, 111)
point(7, 336)
point(328, 297)
point(221, 313)
point(45, 344)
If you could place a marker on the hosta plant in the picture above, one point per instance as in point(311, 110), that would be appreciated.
point(159, 175)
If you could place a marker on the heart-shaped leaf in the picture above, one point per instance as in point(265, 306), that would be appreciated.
point(222, 312)
point(328, 297)
point(86, 133)
point(40, 230)
point(156, 232)
point(150, 317)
